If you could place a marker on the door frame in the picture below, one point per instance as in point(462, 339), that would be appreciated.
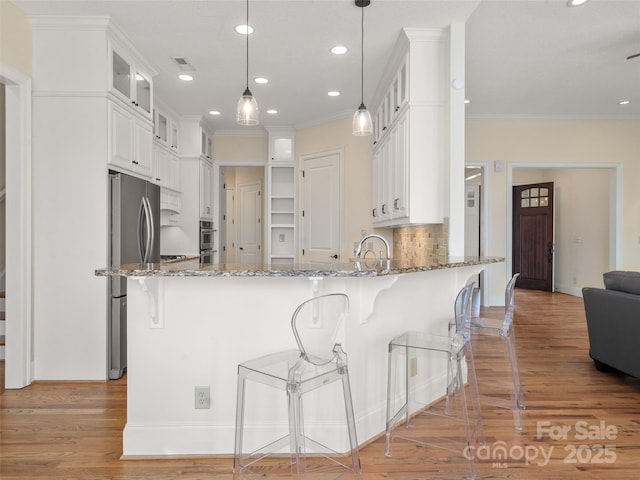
point(341, 221)
point(615, 218)
point(485, 231)
point(19, 212)
point(217, 164)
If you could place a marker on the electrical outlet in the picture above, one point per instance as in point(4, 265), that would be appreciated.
point(203, 397)
point(413, 366)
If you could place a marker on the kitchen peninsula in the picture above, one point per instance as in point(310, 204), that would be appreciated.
point(191, 325)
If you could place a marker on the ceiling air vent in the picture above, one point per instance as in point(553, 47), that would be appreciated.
point(183, 63)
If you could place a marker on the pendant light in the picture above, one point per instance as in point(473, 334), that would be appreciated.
point(362, 125)
point(247, 109)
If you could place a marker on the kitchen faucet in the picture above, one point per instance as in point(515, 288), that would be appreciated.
point(358, 250)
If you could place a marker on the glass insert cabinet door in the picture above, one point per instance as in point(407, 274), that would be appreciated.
point(121, 75)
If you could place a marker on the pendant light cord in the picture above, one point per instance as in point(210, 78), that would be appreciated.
point(247, 44)
point(362, 56)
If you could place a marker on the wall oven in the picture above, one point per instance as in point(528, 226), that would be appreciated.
point(206, 241)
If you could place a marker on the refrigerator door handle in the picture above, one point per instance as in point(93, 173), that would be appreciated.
point(143, 211)
point(150, 230)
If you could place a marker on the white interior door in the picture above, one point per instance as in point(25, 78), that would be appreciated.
point(322, 210)
point(250, 234)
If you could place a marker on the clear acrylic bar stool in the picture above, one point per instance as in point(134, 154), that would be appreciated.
point(415, 356)
point(318, 362)
point(495, 336)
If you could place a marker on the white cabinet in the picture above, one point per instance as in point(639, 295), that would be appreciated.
point(206, 149)
point(130, 141)
point(166, 169)
point(129, 82)
point(206, 193)
point(166, 165)
point(408, 136)
point(281, 206)
point(394, 100)
point(166, 130)
point(390, 175)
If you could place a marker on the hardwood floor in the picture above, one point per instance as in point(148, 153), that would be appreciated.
point(73, 430)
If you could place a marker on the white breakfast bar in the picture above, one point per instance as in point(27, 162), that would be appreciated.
point(191, 325)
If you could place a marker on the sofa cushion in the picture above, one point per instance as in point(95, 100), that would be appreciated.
point(628, 282)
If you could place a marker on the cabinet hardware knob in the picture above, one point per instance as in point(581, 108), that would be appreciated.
point(384, 208)
point(333, 256)
point(384, 128)
point(395, 203)
point(375, 213)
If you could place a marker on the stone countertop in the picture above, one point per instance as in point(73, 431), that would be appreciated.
point(368, 268)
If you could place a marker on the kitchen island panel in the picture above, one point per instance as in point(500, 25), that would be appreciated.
point(188, 332)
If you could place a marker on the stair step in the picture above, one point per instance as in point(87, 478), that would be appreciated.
point(1, 340)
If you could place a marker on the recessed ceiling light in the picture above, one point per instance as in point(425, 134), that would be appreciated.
point(261, 80)
point(624, 102)
point(333, 93)
point(576, 3)
point(272, 112)
point(467, 101)
point(185, 78)
point(338, 50)
point(214, 112)
point(244, 29)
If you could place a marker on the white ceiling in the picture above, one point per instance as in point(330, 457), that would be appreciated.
point(524, 58)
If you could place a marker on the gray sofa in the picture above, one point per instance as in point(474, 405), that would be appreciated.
point(613, 322)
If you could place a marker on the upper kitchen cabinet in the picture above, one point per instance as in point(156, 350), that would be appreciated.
point(99, 89)
point(130, 145)
point(409, 133)
point(281, 145)
point(129, 81)
point(166, 127)
point(196, 145)
point(206, 148)
point(130, 97)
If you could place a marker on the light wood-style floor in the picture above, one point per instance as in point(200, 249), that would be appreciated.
point(67, 431)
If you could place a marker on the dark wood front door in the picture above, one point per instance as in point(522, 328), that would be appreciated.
point(533, 235)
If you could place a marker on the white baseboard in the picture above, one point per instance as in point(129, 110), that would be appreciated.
point(188, 439)
point(569, 290)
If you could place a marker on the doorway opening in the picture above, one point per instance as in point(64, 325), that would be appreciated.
point(476, 213)
point(16, 130)
point(3, 196)
point(241, 214)
point(588, 213)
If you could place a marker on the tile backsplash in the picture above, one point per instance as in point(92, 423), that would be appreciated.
point(422, 243)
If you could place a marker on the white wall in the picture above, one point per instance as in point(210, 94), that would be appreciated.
point(518, 142)
point(357, 176)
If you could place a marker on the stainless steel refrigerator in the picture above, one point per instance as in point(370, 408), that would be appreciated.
point(134, 237)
